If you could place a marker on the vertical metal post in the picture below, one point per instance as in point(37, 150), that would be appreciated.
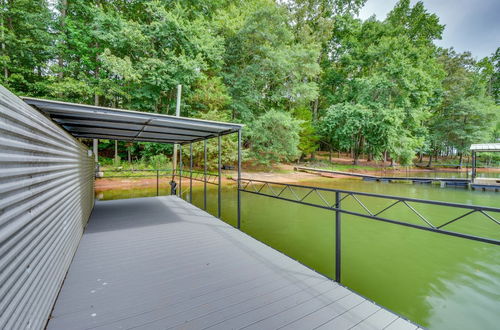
point(337, 237)
point(191, 172)
point(180, 170)
point(219, 187)
point(95, 144)
point(157, 182)
point(177, 114)
point(205, 175)
point(473, 174)
point(239, 180)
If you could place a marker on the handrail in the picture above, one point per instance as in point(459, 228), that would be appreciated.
point(408, 199)
point(249, 187)
point(257, 187)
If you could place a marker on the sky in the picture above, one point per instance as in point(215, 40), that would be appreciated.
point(471, 25)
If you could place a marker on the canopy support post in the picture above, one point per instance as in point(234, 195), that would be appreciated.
point(219, 188)
point(180, 170)
point(239, 179)
point(191, 172)
point(473, 174)
point(205, 174)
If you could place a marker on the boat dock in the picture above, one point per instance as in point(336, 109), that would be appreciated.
point(162, 263)
point(366, 177)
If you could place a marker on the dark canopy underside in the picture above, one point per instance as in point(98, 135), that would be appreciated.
point(86, 121)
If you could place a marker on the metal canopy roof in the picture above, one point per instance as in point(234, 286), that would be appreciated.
point(486, 147)
point(87, 121)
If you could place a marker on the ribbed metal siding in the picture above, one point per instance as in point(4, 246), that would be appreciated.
point(46, 196)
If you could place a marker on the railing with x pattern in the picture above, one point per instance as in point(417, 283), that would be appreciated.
point(335, 200)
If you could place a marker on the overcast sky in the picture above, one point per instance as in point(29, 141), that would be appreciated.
point(472, 25)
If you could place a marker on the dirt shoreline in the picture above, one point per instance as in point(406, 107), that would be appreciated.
point(285, 174)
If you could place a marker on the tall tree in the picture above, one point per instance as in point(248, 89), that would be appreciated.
point(266, 68)
point(466, 113)
point(390, 69)
point(27, 45)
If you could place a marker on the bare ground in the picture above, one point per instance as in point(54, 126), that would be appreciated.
point(282, 173)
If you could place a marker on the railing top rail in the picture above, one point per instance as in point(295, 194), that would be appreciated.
point(400, 198)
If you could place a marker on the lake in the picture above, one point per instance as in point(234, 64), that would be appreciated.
point(437, 281)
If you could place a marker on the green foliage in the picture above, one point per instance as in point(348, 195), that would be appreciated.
point(148, 150)
point(467, 113)
point(274, 137)
point(159, 161)
point(308, 68)
point(265, 66)
point(26, 45)
point(308, 142)
point(229, 146)
point(117, 161)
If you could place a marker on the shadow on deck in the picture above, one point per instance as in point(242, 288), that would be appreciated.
point(161, 263)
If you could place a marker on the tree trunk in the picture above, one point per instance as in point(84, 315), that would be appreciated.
point(330, 155)
point(420, 157)
point(429, 164)
point(460, 160)
point(5, 70)
point(315, 110)
point(60, 61)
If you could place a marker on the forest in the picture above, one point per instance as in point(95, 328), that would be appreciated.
point(302, 75)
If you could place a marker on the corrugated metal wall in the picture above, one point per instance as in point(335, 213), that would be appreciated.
point(46, 196)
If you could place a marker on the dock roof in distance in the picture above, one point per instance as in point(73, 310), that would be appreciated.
point(485, 147)
point(96, 122)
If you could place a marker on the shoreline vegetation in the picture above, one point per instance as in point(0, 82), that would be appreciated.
point(304, 77)
point(282, 173)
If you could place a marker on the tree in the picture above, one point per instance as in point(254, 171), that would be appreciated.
point(346, 125)
point(274, 137)
point(26, 45)
point(265, 66)
point(387, 71)
point(466, 114)
point(308, 137)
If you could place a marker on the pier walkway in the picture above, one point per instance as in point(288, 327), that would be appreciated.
point(162, 263)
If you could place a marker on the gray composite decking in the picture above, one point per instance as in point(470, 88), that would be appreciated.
point(162, 263)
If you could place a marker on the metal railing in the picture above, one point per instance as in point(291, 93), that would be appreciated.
point(211, 178)
point(317, 197)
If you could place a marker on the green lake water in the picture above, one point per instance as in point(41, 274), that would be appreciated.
point(437, 281)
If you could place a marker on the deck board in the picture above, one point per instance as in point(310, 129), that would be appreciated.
point(162, 263)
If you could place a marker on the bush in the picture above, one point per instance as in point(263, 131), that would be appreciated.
point(159, 161)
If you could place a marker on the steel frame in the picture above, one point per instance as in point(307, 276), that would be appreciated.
point(257, 186)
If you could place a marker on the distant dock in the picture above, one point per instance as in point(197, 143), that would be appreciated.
point(366, 177)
